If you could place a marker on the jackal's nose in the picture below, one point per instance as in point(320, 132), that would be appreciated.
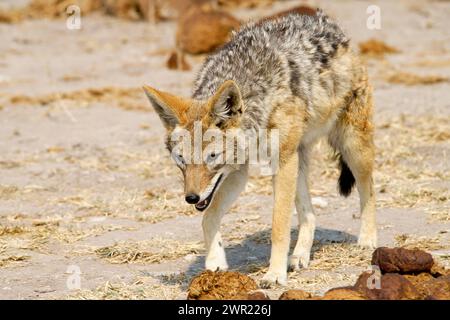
point(192, 198)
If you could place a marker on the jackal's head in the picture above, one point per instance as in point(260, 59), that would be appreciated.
point(203, 161)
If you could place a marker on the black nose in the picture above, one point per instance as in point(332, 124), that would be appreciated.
point(192, 198)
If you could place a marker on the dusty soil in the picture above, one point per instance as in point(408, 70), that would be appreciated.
point(85, 182)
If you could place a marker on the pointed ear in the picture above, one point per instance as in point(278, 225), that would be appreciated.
point(169, 107)
point(226, 104)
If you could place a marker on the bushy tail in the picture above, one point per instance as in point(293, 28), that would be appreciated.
point(346, 179)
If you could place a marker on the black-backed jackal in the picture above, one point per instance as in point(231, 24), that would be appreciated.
point(296, 75)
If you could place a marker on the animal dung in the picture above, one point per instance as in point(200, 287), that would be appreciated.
point(221, 285)
point(295, 295)
point(431, 288)
point(257, 295)
point(202, 30)
point(392, 286)
point(408, 275)
point(344, 293)
point(177, 61)
point(402, 260)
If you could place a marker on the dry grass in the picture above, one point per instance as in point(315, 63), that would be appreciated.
point(411, 79)
point(335, 256)
point(142, 288)
point(151, 251)
point(439, 215)
point(125, 98)
point(8, 261)
point(11, 230)
point(420, 242)
point(376, 48)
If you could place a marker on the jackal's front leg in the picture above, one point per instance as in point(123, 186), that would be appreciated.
point(223, 200)
point(284, 195)
point(215, 257)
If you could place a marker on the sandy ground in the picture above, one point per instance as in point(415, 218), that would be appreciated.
point(86, 185)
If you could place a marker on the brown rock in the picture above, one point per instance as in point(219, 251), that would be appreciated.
point(257, 295)
point(295, 295)
point(202, 30)
point(344, 293)
point(221, 286)
point(177, 61)
point(392, 286)
point(402, 260)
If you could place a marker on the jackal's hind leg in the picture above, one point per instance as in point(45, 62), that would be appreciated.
point(306, 219)
point(223, 200)
point(353, 139)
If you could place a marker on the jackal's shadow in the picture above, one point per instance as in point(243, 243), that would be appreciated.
point(253, 252)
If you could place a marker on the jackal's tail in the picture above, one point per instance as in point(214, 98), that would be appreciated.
point(346, 179)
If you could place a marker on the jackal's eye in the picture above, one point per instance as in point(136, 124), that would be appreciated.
point(178, 157)
point(211, 157)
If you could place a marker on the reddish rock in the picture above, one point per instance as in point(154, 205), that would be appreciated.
point(401, 260)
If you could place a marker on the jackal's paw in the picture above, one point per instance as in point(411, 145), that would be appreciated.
point(298, 261)
point(273, 278)
point(216, 265)
point(367, 240)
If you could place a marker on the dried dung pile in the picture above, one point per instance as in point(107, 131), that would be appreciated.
point(295, 295)
point(221, 286)
point(405, 275)
point(203, 29)
point(402, 260)
point(177, 61)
